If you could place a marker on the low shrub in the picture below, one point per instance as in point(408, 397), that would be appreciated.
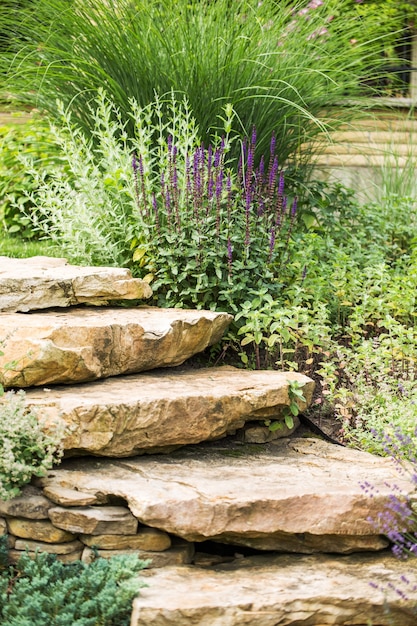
point(27, 448)
point(42, 590)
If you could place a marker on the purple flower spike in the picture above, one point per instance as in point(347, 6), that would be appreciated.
point(253, 138)
point(294, 207)
point(281, 184)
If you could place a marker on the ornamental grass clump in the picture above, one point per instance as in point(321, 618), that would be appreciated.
point(210, 237)
point(282, 64)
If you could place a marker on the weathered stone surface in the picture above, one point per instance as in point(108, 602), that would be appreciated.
point(69, 497)
point(38, 530)
point(3, 526)
point(145, 539)
point(85, 344)
point(177, 555)
point(52, 548)
point(44, 282)
point(99, 520)
point(71, 557)
point(300, 495)
point(285, 590)
point(151, 412)
point(31, 504)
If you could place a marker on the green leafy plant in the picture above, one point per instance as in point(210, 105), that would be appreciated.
point(31, 141)
point(295, 394)
point(40, 591)
point(27, 448)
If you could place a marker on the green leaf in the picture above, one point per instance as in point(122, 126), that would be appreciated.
point(289, 422)
point(246, 340)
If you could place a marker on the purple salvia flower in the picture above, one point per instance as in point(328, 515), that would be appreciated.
point(281, 183)
point(272, 177)
point(280, 199)
point(253, 139)
point(247, 219)
point(261, 171)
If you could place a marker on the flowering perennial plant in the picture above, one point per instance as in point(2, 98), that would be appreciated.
point(208, 236)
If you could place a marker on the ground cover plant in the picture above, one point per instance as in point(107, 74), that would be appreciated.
point(98, 594)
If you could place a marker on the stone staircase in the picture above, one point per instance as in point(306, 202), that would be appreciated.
point(236, 532)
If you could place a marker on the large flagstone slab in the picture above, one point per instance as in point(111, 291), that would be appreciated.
point(296, 495)
point(318, 590)
point(43, 282)
point(151, 412)
point(82, 344)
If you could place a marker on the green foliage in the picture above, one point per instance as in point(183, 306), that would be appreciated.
point(42, 591)
point(26, 448)
point(32, 142)
point(295, 394)
point(281, 64)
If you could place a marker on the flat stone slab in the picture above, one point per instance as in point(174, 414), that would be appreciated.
point(44, 282)
point(84, 344)
point(150, 412)
point(287, 590)
point(296, 495)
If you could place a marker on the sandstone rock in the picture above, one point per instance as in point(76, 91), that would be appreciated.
point(285, 590)
point(43, 282)
point(145, 539)
point(31, 504)
point(52, 548)
point(85, 344)
point(151, 412)
point(71, 557)
point(69, 497)
point(103, 520)
point(3, 526)
point(38, 530)
point(177, 555)
point(300, 495)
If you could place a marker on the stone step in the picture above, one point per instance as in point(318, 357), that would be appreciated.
point(82, 344)
point(287, 590)
point(293, 495)
point(45, 282)
point(152, 412)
